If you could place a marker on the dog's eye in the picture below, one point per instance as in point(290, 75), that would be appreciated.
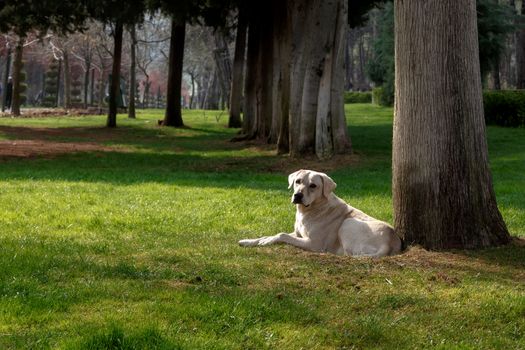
point(313, 185)
point(298, 181)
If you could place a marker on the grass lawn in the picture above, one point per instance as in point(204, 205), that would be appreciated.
point(134, 245)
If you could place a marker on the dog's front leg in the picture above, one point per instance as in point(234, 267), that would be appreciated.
point(288, 238)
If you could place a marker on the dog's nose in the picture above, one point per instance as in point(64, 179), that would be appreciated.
point(297, 198)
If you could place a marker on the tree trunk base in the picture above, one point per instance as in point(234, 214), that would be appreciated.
point(243, 137)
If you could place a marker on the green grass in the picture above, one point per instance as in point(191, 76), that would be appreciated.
point(137, 248)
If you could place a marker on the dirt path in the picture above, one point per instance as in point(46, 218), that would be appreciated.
point(26, 142)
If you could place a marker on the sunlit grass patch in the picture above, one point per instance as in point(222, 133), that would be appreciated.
point(138, 249)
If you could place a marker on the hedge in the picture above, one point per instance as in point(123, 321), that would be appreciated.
point(505, 107)
point(358, 97)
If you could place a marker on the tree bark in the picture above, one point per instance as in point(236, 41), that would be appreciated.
point(132, 74)
point(59, 79)
point(67, 81)
point(282, 57)
point(213, 93)
point(520, 58)
point(101, 88)
point(17, 70)
point(223, 62)
point(7, 73)
point(318, 124)
point(92, 88)
point(442, 187)
point(349, 59)
point(238, 71)
point(252, 75)
point(173, 116)
point(86, 83)
point(115, 76)
point(265, 81)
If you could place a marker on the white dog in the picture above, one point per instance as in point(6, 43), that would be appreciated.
point(325, 223)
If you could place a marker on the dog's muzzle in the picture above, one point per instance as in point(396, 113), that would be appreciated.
point(297, 198)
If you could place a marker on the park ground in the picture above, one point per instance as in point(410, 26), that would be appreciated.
point(127, 239)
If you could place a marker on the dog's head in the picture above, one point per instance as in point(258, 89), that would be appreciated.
point(310, 186)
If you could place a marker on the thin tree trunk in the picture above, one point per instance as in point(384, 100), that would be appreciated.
point(520, 58)
point(442, 187)
point(173, 116)
point(496, 76)
point(250, 88)
point(223, 62)
point(192, 78)
point(59, 79)
point(17, 70)
point(115, 76)
point(132, 74)
point(238, 71)
point(101, 88)
point(92, 88)
point(7, 73)
point(212, 93)
point(86, 83)
point(67, 81)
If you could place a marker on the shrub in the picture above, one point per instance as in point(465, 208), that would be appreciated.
point(358, 97)
point(505, 107)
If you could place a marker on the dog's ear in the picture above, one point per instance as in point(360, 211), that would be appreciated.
point(328, 185)
point(291, 178)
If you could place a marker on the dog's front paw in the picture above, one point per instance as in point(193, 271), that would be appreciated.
point(249, 242)
point(267, 240)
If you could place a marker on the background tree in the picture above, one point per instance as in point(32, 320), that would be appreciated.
point(238, 69)
point(180, 13)
point(118, 14)
point(132, 73)
point(23, 16)
point(442, 188)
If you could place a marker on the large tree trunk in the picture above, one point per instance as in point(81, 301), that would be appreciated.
point(282, 57)
point(17, 70)
point(7, 73)
point(115, 76)
point(442, 188)
point(318, 123)
point(265, 81)
point(67, 81)
point(349, 59)
point(238, 71)
point(132, 74)
point(173, 116)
